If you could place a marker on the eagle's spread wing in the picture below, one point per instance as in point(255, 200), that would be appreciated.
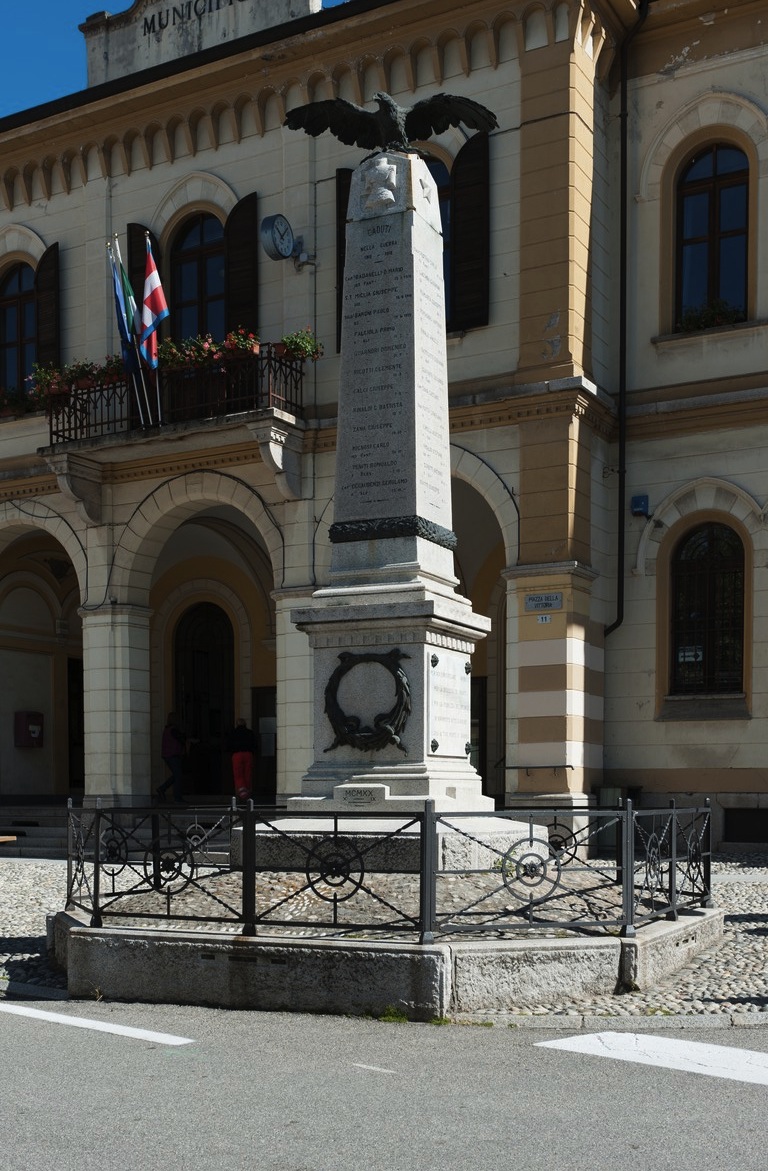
point(351, 124)
point(434, 115)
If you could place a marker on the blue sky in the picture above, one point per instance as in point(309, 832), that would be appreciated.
point(44, 52)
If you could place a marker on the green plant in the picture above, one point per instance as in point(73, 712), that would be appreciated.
point(710, 316)
point(190, 351)
point(45, 380)
point(240, 341)
point(79, 370)
point(393, 1015)
point(112, 367)
point(303, 344)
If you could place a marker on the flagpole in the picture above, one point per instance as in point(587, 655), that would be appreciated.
point(119, 308)
point(143, 379)
point(157, 390)
point(137, 352)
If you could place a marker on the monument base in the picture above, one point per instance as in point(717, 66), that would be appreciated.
point(392, 702)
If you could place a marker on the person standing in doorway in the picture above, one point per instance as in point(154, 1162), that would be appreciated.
point(172, 749)
point(242, 745)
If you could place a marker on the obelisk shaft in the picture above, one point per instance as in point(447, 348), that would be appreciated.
point(393, 490)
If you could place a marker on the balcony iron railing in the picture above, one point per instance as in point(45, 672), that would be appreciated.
point(252, 383)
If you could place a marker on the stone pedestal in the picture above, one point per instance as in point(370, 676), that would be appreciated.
point(392, 703)
point(391, 638)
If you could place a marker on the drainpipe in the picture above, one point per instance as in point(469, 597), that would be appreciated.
point(621, 505)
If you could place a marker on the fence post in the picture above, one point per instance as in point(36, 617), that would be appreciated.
point(428, 868)
point(70, 848)
point(619, 836)
point(672, 884)
point(157, 874)
point(706, 844)
point(96, 914)
point(628, 869)
point(249, 868)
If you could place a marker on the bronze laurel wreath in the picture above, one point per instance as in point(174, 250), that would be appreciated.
point(387, 726)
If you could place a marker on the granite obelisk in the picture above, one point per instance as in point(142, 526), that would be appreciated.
point(391, 637)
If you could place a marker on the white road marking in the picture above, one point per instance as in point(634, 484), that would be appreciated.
point(375, 1068)
point(741, 1065)
point(79, 1022)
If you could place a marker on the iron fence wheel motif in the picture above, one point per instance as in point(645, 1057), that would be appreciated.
point(528, 875)
point(169, 868)
point(79, 890)
point(653, 859)
point(334, 869)
point(694, 861)
point(654, 869)
point(114, 850)
point(563, 845)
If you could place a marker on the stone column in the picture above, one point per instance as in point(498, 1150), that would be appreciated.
point(391, 638)
point(117, 704)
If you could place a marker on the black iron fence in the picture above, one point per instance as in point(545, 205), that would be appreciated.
point(430, 875)
point(96, 409)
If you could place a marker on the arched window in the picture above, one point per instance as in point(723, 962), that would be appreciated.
point(707, 635)
point(198, 278)
point(712, 238)
point(18, 326)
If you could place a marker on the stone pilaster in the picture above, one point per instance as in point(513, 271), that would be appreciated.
point(118, 750)
point(559, 704)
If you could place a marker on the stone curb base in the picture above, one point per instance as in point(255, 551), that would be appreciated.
point(422, 981)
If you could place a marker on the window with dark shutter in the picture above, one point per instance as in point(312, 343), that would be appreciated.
point(241, 250)
point(18, 327)
point(469, 305)
point(47, 308)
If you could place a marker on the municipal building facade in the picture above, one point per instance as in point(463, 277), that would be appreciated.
point(606, 269)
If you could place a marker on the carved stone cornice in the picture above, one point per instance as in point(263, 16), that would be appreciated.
point(597, 413)
point(212, 97)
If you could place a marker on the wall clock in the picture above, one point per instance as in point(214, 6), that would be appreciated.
point(277, 238)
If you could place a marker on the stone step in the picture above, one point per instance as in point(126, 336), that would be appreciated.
point(40, 830)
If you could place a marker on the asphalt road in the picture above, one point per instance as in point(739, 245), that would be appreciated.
point(302, 1093)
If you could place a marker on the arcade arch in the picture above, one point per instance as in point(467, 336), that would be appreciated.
point(41, 665)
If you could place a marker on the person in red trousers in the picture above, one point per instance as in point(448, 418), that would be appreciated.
point(242, 745)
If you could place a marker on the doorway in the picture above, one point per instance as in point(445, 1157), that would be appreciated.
point(203, 654)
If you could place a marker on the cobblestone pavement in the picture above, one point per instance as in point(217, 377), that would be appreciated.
point(727, 981)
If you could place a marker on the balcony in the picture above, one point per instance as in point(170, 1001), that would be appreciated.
point(252, 383)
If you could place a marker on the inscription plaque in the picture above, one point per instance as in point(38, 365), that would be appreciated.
point(393, 446)
point(448, 695)
point(535, 602)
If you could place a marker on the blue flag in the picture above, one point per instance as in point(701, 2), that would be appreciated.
point(130, 361)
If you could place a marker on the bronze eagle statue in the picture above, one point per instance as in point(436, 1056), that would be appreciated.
point(391, 127)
